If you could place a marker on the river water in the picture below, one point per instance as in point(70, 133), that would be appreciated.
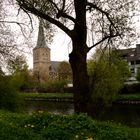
point(124, 114)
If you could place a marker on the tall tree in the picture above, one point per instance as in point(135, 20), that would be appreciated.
point(106, 20)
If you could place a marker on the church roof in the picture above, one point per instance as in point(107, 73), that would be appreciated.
point(41, 38)
point(54, 66)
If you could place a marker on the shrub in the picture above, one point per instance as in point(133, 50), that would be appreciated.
point(44, 126)
point(52, 86)
point(9, 98)
point(104, 86)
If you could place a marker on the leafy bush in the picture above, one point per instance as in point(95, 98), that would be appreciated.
point(104, 86)
point(22, 80)
point(53, 86)
point(9, 98)
point(107, 73)
point(44, 126)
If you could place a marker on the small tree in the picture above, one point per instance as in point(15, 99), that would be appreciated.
point(16, 64)
point(106, 78)
point(18, 68)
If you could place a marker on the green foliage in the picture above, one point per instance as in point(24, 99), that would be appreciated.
point(131, 97)
point(22, 79)
point(105, 84)
point(107, 73)
point(64, 71)
point(46, 95)
point(16, 64)
point(9, 98)
point(44, 126)
point(54, 85)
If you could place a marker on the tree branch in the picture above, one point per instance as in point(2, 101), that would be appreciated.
point(102, 40)
point(18, 23)
point(61, 12)
point(64, 2)
point(38, 13)
point(15, 22)
point(91, 5)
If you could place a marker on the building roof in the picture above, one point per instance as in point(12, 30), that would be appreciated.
point(54, 66)
point(131, 54)
point(41, 38)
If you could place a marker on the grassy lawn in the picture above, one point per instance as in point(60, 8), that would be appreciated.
point(46, 95)
point(135, 96)
point(44, 126)
point(123, 97)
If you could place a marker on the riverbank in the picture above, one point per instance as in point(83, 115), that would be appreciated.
point(128, 99)
point(45, 126)
point(120, 99)
point(46, 95)
point(57, 97)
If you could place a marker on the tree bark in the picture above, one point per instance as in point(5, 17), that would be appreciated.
point(80, 76)
point(78, 59)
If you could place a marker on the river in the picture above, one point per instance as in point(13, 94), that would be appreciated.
point(125, 114)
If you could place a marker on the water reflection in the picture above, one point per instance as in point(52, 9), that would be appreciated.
point(53, 107)
point(125, 114)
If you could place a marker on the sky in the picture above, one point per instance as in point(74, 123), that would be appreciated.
point(60, 48)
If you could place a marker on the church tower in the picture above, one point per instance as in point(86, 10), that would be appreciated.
point(41, 57)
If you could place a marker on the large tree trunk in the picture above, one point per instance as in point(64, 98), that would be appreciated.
point(78, 59)
point(80, 77)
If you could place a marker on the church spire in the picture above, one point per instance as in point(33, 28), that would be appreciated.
point(41, 38)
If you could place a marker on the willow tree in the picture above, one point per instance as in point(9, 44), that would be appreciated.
point(88, 23)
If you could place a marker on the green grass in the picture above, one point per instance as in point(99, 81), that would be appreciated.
point(46, 95)
point(45, 126)
point(129, 97)
point(70, 95)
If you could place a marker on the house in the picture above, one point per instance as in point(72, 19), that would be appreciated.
point(132, 55)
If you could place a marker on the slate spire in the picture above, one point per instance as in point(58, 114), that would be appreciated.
point(41, 38)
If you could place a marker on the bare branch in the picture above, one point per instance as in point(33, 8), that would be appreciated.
point(63, 7)
point(61, 12)
point(15, 22)
point(91, 5)
point(18, 23)
point(33, 10)
point(30, 19)
point(102, 40)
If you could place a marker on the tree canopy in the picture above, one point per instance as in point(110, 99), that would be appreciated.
point(17, 64)
point(103, 19)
